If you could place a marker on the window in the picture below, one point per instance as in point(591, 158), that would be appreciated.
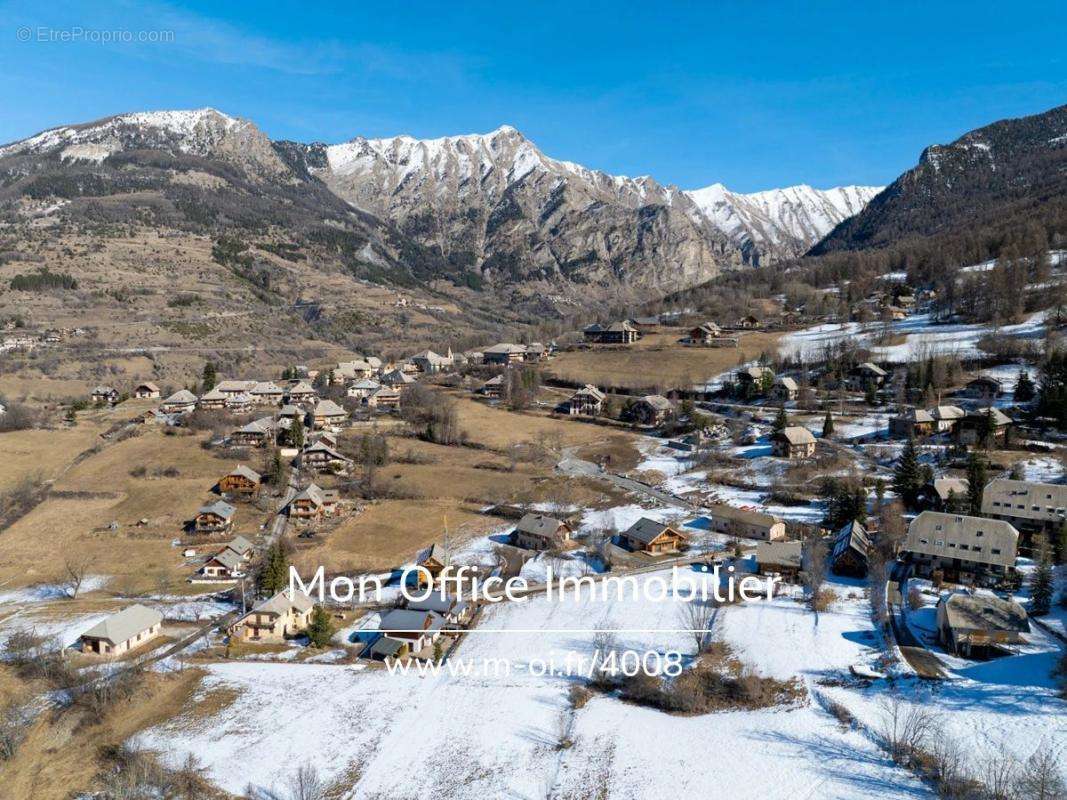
point(951, 544)
point(1035, 508)
point(939, 543)
point(980, 533)
point(977, 549)
point(965, 547)
point(995, 551)
point(924, 541)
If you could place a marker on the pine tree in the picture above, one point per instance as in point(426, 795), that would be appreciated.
point(275, 575)
point(976, 481)
point(781, 421)
point(906, 475)
point(1024, 388)
point(828, 424)
point(209, 378)
point(1041, 585)
point(320, 629)
point(296, 433)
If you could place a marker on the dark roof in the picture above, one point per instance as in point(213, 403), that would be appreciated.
point(851, 535)
point(647, 530)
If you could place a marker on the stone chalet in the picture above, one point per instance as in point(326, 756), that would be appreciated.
point(794, 442)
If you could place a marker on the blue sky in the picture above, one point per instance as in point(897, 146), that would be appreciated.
point(754, 95)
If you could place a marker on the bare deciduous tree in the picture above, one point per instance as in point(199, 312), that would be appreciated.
point(1040, 777)
point(906, 727)
point(75, 570)
point(305, 784)
point(699, 618)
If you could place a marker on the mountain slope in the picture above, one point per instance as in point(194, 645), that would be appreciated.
point(1001, 169)
point(779, 223)
point(499, 211)
point(205, 172)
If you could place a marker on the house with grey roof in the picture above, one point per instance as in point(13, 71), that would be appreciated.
point(1030, 506)
point(418, 628)
point(224, 564)
point(275, 619)
point(652, 409)
point(622, 332)
point(146, 391)
point(328, 416)
point(504, 354)
point(181, 402)
point(961, 548)
point(793, 442)
point(122, 632)
point(744, 523)
point(541, 532)
point(215, 518)
point(980, 624)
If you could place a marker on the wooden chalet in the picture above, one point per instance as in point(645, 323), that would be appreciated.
point(850, 551)
point(322, 457)
point(215, 518)
point(313, 503)
point(988, 427)
point(652, 409)
point(587, 401)
point(492, 388)
point(105, 395)
point(780, 558)
point(384, 397)
point(242, 480)
point(614, 333)
point(257, 433)
point(654, 538)
point(541, 532)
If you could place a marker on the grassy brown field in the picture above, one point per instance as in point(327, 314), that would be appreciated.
point(64, 750)
point(100, 490)
point(658, 362)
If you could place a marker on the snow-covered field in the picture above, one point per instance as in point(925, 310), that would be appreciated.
point(922, 338)
point(494, 735)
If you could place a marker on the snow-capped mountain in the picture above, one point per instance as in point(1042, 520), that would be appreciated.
point(201, 132)
point(483, 210)
point(780, 222)
point(494, 205)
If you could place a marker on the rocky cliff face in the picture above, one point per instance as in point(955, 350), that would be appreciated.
point(498, 211)
point(483, 211)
